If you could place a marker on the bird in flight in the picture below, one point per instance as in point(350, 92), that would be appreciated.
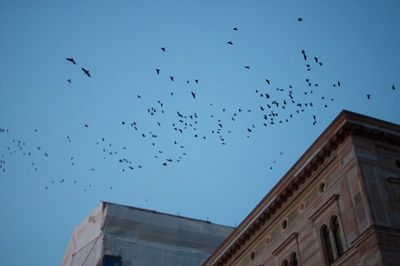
point(247, 67)
point(193, 94)
point(300, 19)
point(163, 49)
point(86, 72)
point(69, 81)
point(304, 55)
point(235, 28)
point(368, 96)
point(158, 71)
point(71, 60)
point(171, 78)
point(230, 42)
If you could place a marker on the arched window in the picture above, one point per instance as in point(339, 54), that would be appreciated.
point(293, 259)
point(326, 244)
point(285, 263)
point(336, 235)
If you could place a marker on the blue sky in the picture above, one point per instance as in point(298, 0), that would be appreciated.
point(44, 197)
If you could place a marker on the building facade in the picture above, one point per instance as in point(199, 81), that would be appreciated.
point(338, 205)
point(117, 235)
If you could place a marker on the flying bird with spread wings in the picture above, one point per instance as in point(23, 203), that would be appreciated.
point(86, 71)
point(71, 60)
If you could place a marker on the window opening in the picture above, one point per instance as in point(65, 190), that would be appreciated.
point(322, 187)
point(252, 255)
point(336, 235)
point(284, 224)
point(326, 244)
point(293, 259)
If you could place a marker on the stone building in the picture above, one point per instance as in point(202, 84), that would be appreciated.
point(338, 205)
point(117, 235)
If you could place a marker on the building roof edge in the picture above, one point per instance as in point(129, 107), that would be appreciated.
point(345, 123)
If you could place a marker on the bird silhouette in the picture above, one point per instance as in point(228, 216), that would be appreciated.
point(69, 81)
point(163, 49)
point(171, 78)
point(86, 72)
point(235, 28)
point(71, 60)
point(158, 71)
point(247, 67)
point(368, 96)
point(230, 43)
point(304, 55)
point(300, 19)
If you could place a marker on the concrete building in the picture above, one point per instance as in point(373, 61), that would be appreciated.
point(117, 235)
point(338, 205)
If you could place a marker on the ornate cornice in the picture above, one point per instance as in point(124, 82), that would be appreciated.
point(346, 124)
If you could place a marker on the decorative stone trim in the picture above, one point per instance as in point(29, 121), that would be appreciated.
point(285, 243)
point(347, 124)
point(327, 204)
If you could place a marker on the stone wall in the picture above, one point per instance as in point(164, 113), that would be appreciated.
point(338, 205)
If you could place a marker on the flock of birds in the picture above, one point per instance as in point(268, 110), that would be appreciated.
point(272, 105)
point(85, 71)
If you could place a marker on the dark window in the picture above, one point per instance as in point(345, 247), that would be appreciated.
point(252, 255)
point(336, 235)
point(326, 244)
point(293, 259)
point(109, 260)
point(322, 187)
point(284, 224)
